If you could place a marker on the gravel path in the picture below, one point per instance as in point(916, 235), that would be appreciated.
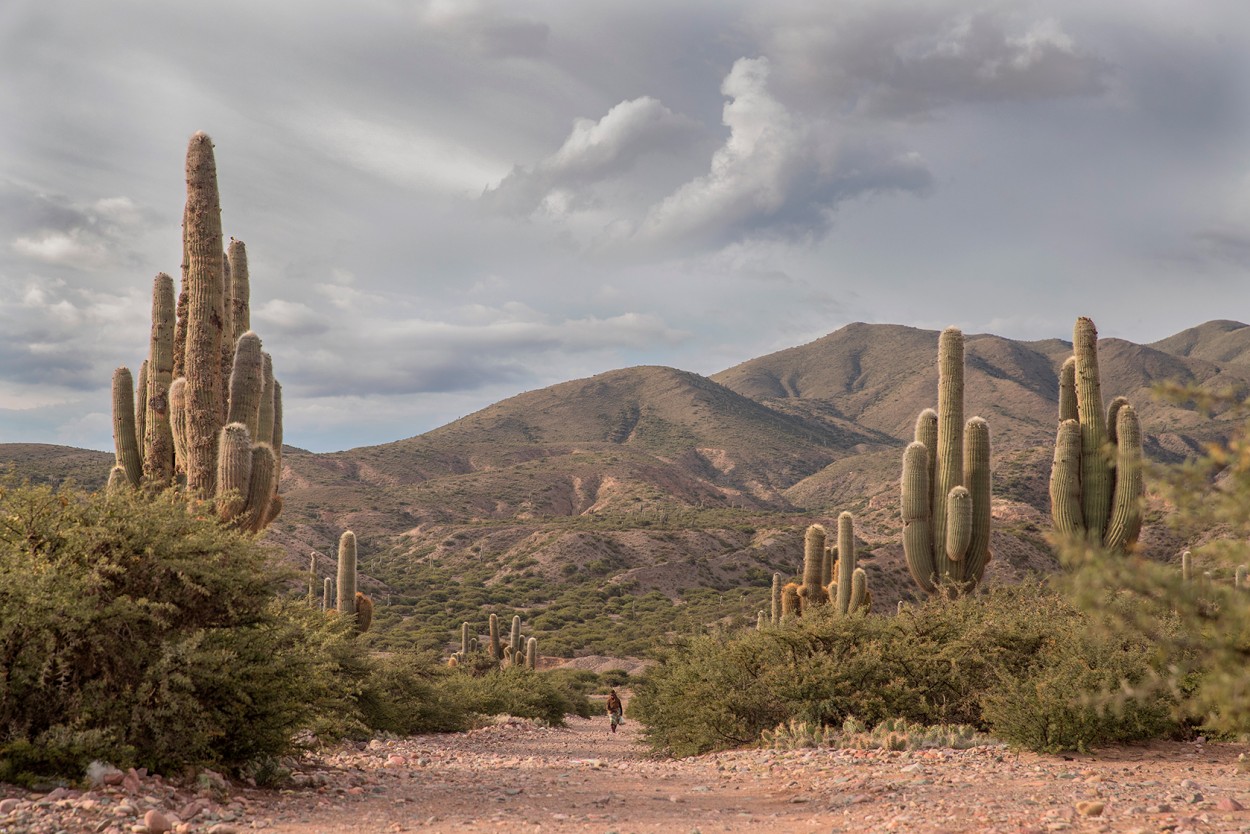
point(517, 777)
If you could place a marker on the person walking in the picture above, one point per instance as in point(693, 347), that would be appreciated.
point(616, 711)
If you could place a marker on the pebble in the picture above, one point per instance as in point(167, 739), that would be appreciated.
point(154, 822)
point(1089, 808)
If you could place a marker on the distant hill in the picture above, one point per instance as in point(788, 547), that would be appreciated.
point(653, 479)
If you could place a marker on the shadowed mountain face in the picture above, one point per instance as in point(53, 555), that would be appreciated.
point(642, 456)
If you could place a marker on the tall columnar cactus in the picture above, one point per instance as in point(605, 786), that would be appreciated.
point(347, 573)
point(1187, 566)
point(204, 283)
point(1096, 483)
point(496, 650)
point(464, 639)
point(514, 636)
point(775, 597)
point(327, 593)
point(812, 593)
point(946, 483)
point(197, 380)
point(531, 654)
point(124, 442)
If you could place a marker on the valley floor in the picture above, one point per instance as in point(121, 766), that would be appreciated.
point(516, 777)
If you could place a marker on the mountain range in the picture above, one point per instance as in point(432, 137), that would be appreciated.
point(676, 480)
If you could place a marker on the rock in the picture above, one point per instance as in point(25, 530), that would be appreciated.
point(156, 823)
point(1227, 803)
point(8, 805)
point(1090, 808)
point(223, 828)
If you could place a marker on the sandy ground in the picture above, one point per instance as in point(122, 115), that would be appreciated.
point(518, 777)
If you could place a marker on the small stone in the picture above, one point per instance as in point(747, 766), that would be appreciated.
point(1090, 808)
point(7, 805)
point(223, 828)
point(156, 822)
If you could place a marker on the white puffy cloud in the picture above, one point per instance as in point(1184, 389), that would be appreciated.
point(777, 175)
point(593, 151)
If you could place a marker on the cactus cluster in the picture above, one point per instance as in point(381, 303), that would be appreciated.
point(830, 576)
point(946, 484)
point(207, 405)
point(520, 651)
point(1096, 483)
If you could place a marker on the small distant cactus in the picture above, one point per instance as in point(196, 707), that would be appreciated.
point(496, 651)
point(849, 592)
point(775, 597)
point(1096, 483)
point(327, 593)
point(1187, 566)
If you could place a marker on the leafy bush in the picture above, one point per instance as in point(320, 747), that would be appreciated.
point(136, 631)
point(938, 663)
point(515, 691)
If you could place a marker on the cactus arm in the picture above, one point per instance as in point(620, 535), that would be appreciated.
point(234, 471)
point(977, 482)
point(1126, 505)
point(141, 411)
point(846, 561)
point(158, 452)
point(1067, 391)
point(126, 447)
point(917, 529)
point(790, 606)
point(859, 591)
point(1065, 480)
point(531, 653)
point(812, 593)
point(259, 489)
point(247, 381)
point(958, 532)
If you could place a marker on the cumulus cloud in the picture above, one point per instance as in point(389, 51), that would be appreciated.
point(84, 236)
point(593, 151)
point(777, 175)
point(907, 59)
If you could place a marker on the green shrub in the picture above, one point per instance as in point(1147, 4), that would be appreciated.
point(938, 663)
point(136, 631)
point(405, 694)
point(515, 691)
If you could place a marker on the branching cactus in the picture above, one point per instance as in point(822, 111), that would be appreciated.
point(946, 484)
point(812, 594)
point(197, 379)
point(1096, 485)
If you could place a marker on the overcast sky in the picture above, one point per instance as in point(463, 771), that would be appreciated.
point(447, 203)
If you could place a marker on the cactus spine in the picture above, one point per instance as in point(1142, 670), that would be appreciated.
point(124, 438)
point(347, 573)
point(946, 495)
point(1096, 482)
point(812, 593)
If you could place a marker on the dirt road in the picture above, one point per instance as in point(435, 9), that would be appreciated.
point(518, 777)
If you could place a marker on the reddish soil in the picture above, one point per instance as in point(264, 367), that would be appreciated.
point(517, 777)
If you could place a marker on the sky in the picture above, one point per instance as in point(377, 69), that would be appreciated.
point(447, 203)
